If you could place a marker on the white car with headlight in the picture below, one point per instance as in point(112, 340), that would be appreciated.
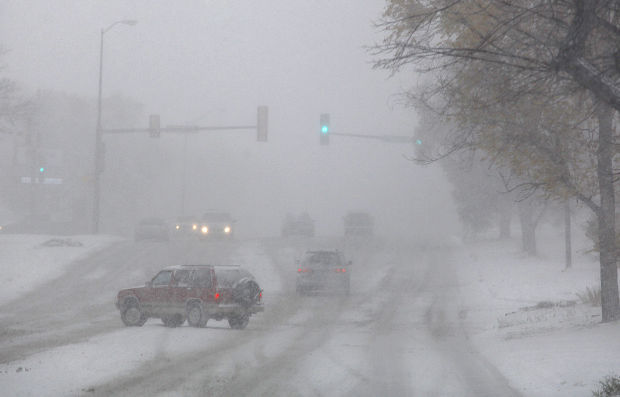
point(186, 226)
point(215, 224)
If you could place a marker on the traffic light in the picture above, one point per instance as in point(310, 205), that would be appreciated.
point(261, 123)
point(41, 175)
point(154, 126)
point(325, 129)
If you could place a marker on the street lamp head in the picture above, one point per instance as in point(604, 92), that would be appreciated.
point(129, 22)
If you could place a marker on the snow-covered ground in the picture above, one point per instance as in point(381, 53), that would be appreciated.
point(521, 313)
point(29, 260)
point(525, 315)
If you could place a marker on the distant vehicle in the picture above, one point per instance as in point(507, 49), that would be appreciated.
point(215, 225)
point(323, 271)
point(358, 224)
point(300, 225)
point(151, 229)
point(186, 226)
point(195, 293)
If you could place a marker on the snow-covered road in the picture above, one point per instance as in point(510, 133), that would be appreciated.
point(399, 333)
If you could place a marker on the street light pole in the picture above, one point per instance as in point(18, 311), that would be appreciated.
point(98, 132)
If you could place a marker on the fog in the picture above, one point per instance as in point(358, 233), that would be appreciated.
point(415, 304)
point(211, 63)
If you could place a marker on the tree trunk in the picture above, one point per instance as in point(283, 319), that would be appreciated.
point(505, 215)
point(567, 236)
point(610, 303)
point(528, 226)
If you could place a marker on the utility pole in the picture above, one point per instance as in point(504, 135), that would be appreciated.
point(98, 132)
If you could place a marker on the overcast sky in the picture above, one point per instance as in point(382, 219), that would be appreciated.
point(212, 63)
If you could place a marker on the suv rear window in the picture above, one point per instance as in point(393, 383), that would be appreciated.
point(228, 277)
point(322, 259)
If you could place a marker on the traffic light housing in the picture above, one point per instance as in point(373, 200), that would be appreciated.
point(325, 129)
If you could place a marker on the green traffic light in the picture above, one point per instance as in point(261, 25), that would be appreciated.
point(324, 129)
point(42, 169)
point(419, 141)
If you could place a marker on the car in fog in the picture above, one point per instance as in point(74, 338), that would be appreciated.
point(152, 229)
point(358, 224)
point(186, 226)
point(323, 271)
point(195, 293)
point(216, 225)
point(298, 225)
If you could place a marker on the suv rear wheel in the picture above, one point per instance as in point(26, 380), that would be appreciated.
point(196, 316)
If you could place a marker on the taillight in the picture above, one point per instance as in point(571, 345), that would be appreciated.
point(302, 270)
point(260, 295)
point(341, 270)
point(216, 296)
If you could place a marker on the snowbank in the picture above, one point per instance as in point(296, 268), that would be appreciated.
point(29, 260)
point(525, 316)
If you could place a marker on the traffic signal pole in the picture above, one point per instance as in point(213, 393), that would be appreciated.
point(384, 138)
point(178, 129)
point(154, 130)
point(325, 132)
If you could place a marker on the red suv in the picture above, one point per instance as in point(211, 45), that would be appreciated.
point(193, 292)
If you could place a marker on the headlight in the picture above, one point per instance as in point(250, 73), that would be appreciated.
point(194, 226)
point(204, 230)
point(227, 229)
point(178, 227)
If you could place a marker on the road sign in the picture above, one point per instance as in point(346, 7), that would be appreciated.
point(43, 181)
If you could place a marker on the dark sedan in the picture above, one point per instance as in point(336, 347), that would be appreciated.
point(151, 229)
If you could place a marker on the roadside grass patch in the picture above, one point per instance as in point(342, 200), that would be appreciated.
point(591, 296)
point(608, 387)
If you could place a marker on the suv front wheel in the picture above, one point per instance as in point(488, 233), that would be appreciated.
point(132, 316)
